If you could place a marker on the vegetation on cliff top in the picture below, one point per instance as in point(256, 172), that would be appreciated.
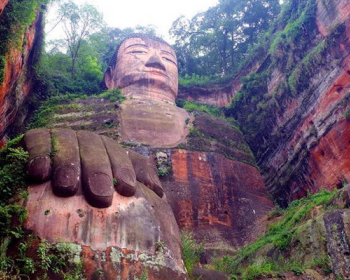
point(214, 43)
point(255, 107)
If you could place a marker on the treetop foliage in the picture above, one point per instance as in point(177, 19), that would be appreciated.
point(76, 63)
point(215, 41)
point(211, 45)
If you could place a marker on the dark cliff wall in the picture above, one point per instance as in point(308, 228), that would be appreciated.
point(293, 110)
point(20, 49)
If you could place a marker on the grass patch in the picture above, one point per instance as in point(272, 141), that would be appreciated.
point(111, 95)
point(279, 236)
point(194, 106)
point(44, 117)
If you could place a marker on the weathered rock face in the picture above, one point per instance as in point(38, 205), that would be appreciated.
point(3, 4)
point(312, 236)
point(329, 163)
point(134, 235)
point(153, 123)
point(219, 95)
point(215, 96)
point(330, 13)
point(18, 74)
point(299, 135)
point(224, 202)
point(315, 154)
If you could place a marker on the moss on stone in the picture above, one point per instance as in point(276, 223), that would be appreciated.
point(214, 134)
point(296, 241)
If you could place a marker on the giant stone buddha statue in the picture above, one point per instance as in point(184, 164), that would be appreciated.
point(105, 198)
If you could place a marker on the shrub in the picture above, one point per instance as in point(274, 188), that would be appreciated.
point(111, 95)
point(13, 160)
point(193, 106)
point(191, 250)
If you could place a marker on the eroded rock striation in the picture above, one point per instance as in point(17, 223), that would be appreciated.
point(312, 152)
point(217, 198)
point(295, 119)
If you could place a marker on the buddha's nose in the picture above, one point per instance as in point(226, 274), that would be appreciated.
point(155, 62)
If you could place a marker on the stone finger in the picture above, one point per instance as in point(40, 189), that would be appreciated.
point(122, 167)
point(38, 144)
point(66, 162)
point(96, 170)
point(146, 172)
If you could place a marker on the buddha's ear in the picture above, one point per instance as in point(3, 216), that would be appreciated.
point(108, 78)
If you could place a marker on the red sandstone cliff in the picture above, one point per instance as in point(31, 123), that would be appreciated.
point(3, 4)
point(314, 153)
point(299, 136)
point(18, 72)
point(224, 202)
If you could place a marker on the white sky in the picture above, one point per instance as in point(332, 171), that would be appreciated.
point(130, 13)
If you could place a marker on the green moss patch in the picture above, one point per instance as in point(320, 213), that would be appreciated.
point(295, 241)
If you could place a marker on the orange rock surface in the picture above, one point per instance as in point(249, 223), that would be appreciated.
point(127, 234)
point(3, 4)
point(224, 202)
point(17, 78)
point(329, 161)
point(331, 12)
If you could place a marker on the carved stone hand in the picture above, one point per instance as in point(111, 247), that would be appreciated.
point(73, 159)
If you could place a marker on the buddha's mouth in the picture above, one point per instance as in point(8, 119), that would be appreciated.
point(157, 72)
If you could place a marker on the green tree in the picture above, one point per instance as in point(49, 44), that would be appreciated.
point(93, 53)
point(214, 41)
point(78, 23)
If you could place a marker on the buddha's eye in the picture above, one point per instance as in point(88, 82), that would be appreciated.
point(170, 60)
point(138, 52)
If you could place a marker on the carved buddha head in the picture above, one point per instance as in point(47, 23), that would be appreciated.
point(145, 67)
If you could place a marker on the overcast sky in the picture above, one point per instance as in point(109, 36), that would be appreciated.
point(160, 13)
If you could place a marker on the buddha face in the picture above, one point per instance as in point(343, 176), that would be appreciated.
point(145, 68)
